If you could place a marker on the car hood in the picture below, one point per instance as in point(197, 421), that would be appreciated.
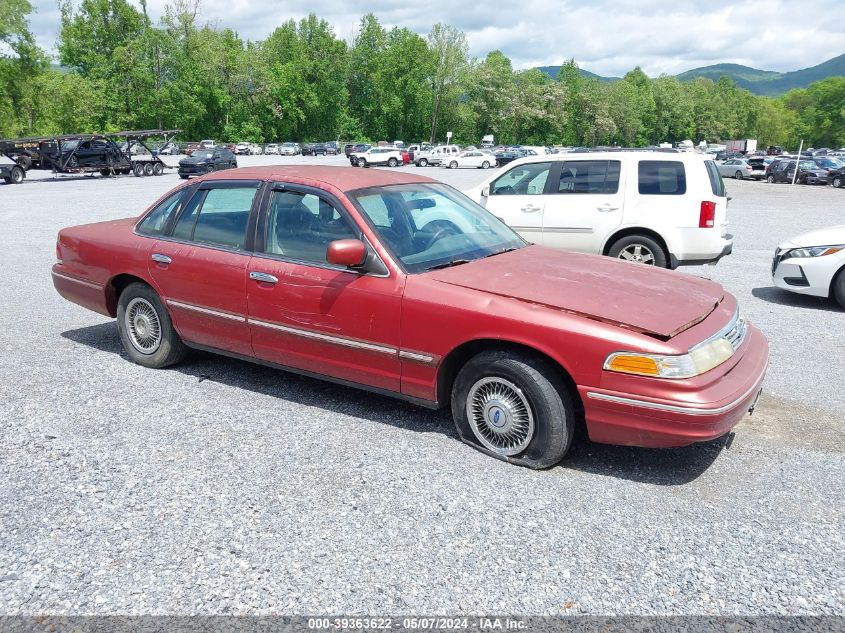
point(650, 300)
point(194, 160)
point(830, 236)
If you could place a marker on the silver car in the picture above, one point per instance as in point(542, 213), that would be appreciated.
point(738, 168)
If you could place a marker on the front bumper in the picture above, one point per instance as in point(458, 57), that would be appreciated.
point(805, 275)
point(696, 415)
point(193, 170)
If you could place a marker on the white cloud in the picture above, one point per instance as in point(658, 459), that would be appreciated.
point(609, 38)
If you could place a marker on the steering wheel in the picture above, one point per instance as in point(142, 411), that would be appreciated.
point(447, 229)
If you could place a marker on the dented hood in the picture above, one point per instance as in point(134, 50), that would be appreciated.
point(651, 300)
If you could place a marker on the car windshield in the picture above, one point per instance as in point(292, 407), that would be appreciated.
point(204, 155)
point(428, 225)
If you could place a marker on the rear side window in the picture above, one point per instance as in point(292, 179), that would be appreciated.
point(662, 178)
point(589, 176)
point(717, 185)
point(156, 221)
point(218, 217)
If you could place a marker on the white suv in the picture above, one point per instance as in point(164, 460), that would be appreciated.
point(436, 155)
point(663, 209)
point(376, 156)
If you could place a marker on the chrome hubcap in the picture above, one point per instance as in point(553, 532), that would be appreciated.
point(500, 416)
point(637, 253)
point(143, 326)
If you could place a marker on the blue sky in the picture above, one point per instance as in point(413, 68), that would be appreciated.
point(609, 38)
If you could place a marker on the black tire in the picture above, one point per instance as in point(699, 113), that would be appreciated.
point(362, 162)
point(837, 290)
point(148, 169)
point(105, 172)
point(542, 388)
point(422, 162)
point(183, 176)
point(837, 182)
point(738, 175)
point(158, 169)
point(629, 244)
point(73, 162)
point(770, 179)
point(453, 164)
point(485, 165)
point(138, 170)
point(170, 349)
point(209, 168)
point(16, 176)
point(25, 162)
point(392, 162)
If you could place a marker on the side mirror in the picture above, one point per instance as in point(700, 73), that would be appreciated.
point(485, 192)
point(349, 253)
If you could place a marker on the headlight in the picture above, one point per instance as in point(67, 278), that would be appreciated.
point(700, 359)
point(814, 251)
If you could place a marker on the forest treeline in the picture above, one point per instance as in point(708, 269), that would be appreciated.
point(120, 70)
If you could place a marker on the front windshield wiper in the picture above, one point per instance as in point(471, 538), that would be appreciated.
point(504, 250)
point(454, 262)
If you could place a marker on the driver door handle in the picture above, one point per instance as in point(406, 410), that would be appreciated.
point(160, 259)
point(266, 278)
point(530, 208)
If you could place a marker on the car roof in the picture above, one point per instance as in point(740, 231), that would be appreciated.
point(643, 155)
point(342, 178)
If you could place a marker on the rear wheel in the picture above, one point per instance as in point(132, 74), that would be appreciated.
point(770, 178)
point(837, 182)
point(138, 170)
point(738, 175)
point(639, 249)
point(453, 164)
point(146, 330)
point(485, 165)
point(158, 169)
point(17, 176)
point(422, 162)
point(362, 162)
point(392, 162)
point(514, 407)
point(838, 289)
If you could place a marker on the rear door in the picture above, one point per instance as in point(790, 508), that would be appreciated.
point(200, 266)
point(584, 205)
point(517, 198)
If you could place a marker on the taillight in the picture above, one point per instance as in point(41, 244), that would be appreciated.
point(707, 217)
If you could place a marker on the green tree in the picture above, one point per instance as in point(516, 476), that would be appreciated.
point(449, 48)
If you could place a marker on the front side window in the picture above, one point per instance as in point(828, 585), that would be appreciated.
point(301, 226)
point(589, 176)
point(428, 225)
point(529, 179)
point(156, 220)
point(217, 217)
point(662, 178)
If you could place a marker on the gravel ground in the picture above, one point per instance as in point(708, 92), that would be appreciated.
point(224, 487)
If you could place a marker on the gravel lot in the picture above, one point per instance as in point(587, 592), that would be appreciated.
point(225, 487)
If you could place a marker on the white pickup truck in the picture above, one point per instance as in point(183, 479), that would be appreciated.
point(436, 155)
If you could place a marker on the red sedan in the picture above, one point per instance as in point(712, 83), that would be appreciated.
point(399, 284)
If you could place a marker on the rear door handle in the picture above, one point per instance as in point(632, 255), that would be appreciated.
point(530, 208)
point(160, 259)
point(607, 208)
point(264, 278)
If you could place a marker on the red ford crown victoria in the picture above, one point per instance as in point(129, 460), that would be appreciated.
point(399, 284)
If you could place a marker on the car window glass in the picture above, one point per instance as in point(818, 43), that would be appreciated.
point(220, 218)
point(157, 219)
point(529, 179)
point(717, 185)
point(301, 226)
point(589, 176)
point(662, 178)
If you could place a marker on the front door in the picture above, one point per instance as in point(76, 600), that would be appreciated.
point(200, 268)
point(310, 315)
point(584, 204)
point(517, 198)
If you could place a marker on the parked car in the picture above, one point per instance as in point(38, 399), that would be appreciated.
point(243, 149)
point(376, 156)
point(332, 148)
point(403, 286)
point(836, 177)
point(204, 161)
point(475, 159)
point(828, 163)
point(256, 149)
point(271, 148)
point(289, 149)
point(319, 149)
point(94, 153)
point(666, 210)
point(506, 156)
point(436, 155)
point(738, 168)
point(305, 149)
point(813, 264)
point(759, 166)
point(809, 173)
point(208, 144)
point(355, 147)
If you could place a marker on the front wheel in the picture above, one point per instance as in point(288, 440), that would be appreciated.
point(453, 164)
point(738, 175)
point(839, 288)
point(422, 162)
point(392, 162)
point(362, 162)
point(485, 165)
point(17, 176)
point(514, 407)
point(770, 179)
point(146, 330)
point(837, 182)
point(639, 249)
